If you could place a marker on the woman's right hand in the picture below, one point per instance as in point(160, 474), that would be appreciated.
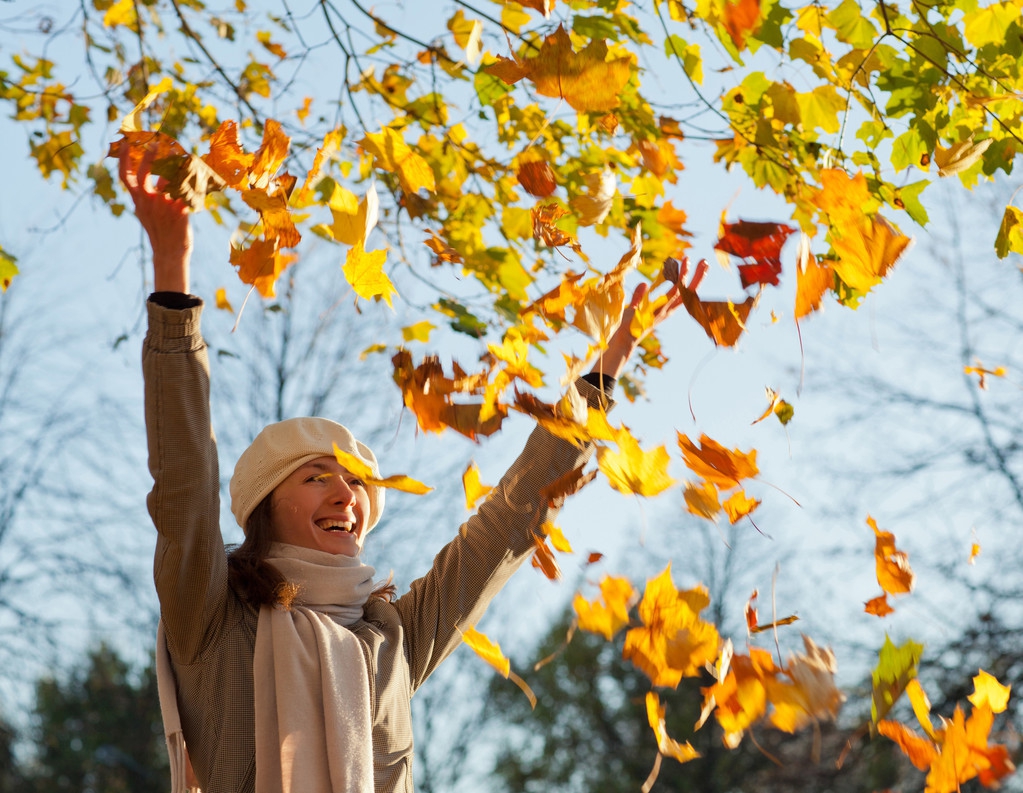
point(165, 219)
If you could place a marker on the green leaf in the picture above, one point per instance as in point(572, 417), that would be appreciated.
point(909, 149)
point(896, 666)
point(851, 26)
point(820, 108)
point(909, 196)
point(688, 54)
point(989, 25)
point(464, 321)
point(1010, 233)
point(489, 88)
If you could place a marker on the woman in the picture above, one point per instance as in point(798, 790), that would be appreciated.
point(290, 672)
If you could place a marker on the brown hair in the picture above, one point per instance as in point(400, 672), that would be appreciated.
point(259, 583)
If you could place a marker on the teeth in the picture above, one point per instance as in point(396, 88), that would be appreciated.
point(334, 525)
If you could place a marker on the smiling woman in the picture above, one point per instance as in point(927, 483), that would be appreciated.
point(283, 667)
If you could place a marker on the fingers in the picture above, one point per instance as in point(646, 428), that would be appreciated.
point(638, 294)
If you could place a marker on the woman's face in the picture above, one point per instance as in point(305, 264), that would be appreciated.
point(322, 506)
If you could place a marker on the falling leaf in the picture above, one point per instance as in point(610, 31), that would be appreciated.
point(778, 406)
point(487, 650)
point(631, 470)
point(920, 751)
point(260, 265)
point(566, 485)
point(474, 489)
point(227, 157)
point(593, 206)
point(740, 695)
point(988, 691)
point(557, 538)
point(365, 273)
point(186, 177)
point(391, 153)
point(8, 269)
point(813, 279)
point(420, 331)
point(363, 471)
point(723, 321)
point(893, 570)
point(587, 80)
point(537, 178)
point(445, 253)
point(806, 692)
point(713, 462)
point(667, 746)
point(673, 642)
point(221, 300)
point(702, 499)
point(982, 373)
point(609, 613)
point(758, 245)
point(740, 18)
point(543, 559)
point(133, 121)
point(753, 624)
point(896, 666)
point(879, 606)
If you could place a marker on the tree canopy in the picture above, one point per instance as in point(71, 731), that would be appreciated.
point(488, 149)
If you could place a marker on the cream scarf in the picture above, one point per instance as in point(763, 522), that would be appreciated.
point(313, 731)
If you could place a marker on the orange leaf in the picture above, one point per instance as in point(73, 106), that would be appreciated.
point(567, 485)
point(260, 264)
point(713, 462)
point(740, 19)
point(739, 505)
point(893, 570)
point(537, 178)
point(445, 253)
point(723, 321)
point(920, 751)
point(587, 80)
point(741, 695)
point(273, 212)
point(269, 156)
point(544, 561)
point(544, 217)
point(878, 606)
point(813, 279)
point(227, 157)
point(702, 499)
point(811, 695)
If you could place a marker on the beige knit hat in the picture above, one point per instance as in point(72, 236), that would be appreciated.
point(283, 447)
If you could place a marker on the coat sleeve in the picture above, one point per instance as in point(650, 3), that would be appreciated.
point(190, 567)
point(489, 547)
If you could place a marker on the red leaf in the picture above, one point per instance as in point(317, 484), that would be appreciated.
point(759, 245)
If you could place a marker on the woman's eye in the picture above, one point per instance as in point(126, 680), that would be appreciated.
point(356, 483)
point(319, 478)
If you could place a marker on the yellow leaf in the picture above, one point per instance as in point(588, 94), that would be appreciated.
point(133, 121)
point(593, 206)
point(631, 470)
point(487, 650)
point(609, 613)
point(353, 219)
point(988, 691)
point(418, 332)
point(391, 153)
point(739, 505)
point(557, 537)
point(222, 301)
point(893, 571)
point(667, 746)
point(363, 471)
point(365, 273)
point(702, 499)
point(473, 487)
point(121, 12)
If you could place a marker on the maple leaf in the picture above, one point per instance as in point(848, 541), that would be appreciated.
point(739, 697)
point(353, 219)
point(723, 321)
point(557, 537)
point(8, 269)
point(759, 245)
point(221, 300)
point(543, 559)
point(363, 471)
point(186, 178)
point(702, 499)
point(879, 606)
point(537, 178)
point(270, 155)
point(366, 275)
point(893, 570)
point(486, 649)
point(631, 470)
point(391, 153)
point(813, 279)
point(609, 612)
point(666, 745)
point(713, 462)
point(778, 406)
point(474, 489)
point(810, 693)
point(673, 641)
point(566, 485)
point(260, 264)
point(445, 253)
point(273, 212)
point(740, 19)
point(544, 217)
point(587, 80)
point(988, 691)
point(226, 156)
point(593, 206)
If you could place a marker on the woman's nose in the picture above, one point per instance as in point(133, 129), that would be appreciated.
point(343, 492)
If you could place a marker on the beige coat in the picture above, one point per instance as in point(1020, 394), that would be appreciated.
point(211, 633)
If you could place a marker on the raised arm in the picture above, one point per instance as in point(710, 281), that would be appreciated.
point(189, 568)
